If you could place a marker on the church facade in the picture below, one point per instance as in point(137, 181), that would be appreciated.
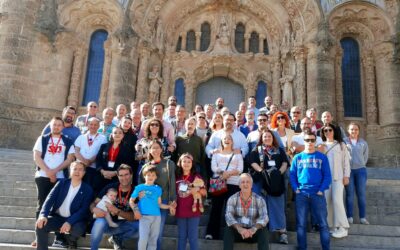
point(336, 55)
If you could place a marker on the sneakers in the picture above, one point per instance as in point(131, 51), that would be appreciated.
point(59, 244)
point(340, 233)
point(364, 221)
point(350, 220)
point(208, 237)
point(283, 239)
point(116, 244)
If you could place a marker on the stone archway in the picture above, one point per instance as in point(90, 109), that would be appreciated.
point(232, 92)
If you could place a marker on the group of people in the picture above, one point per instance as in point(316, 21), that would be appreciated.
point(123, 173)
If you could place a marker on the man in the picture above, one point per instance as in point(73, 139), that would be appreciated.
point(252, 105)
point(65, 209)
point(145, 110)
point(82, 121)
point(239, 141)
point(295, 115)
point(106, 126)
point(134, 105)
point(219, 104)
point(172, 100)
point(158, 110)
point(52, 154)
point(209, 109)
point(170, 115)
point(243, 107)
point(69, 130)
point(310, 176)
point(254, 136)
point(268, 103)
point(298, 140)
point(179, 123)
point(326, 119)
point(250, 125)
point(246, 216)
point(136, 121)
point(225, 111)
point(121, 112)
point(239, 116)
point(86, 148)
point(121, 212)
point(312, 114)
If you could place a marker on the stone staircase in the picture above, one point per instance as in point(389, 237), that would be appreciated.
point(18, 201)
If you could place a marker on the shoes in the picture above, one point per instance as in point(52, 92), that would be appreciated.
point(314, 228)
point(364, 221)
point(332, 230)
point(34, 244)
point(350, 220)
point(117, 245)
point(73, 245)
point(208, 237)
point(340, 233)
point(283, 239)
point(59, 244)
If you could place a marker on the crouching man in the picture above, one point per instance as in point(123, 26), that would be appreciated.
point(66, 209)
point(246, 217)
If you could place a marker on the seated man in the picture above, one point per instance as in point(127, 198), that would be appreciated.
point(246, 216)
point(66, 209)
point(121, 212)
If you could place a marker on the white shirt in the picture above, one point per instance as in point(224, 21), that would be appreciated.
point(52, 160)
point(239, 142)
point(89, 151)
point(64, 210)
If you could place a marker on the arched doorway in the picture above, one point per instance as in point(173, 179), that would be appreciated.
point(209, 91)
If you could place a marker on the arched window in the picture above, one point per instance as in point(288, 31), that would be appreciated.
point(239, 37)
point(205, 36)
point(266, 49)
point(261, 94)
point(254, 44)
point(190, 41)
point(179, 44)
point(180, 91)
point(351, 80)
point(94, 71)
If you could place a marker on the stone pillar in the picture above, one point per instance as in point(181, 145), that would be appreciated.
point(339, 117)
point(246, 42)
point(166, 75)
point(369, 83)
point(142, 79)
point(76, 77)
point(105, 82)
point(189, 94)
point(276, 75)
point(312, 66)
point(261, 44)
point(198, 36)
point(300, 85)
point(183, 35)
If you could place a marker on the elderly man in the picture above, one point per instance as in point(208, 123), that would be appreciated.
point(145, 110)
point(136, 121)
point(295, 115)
point(179, 122)
point(268, 103)
point(107, 125)
point(66, 209)
point(121, 112)
point(121, 212)
point(69, 130)
point(246, 216)
point(250, 124)
point(252, 105)
point(326, 119)
point(82, 121)
point(209, 109)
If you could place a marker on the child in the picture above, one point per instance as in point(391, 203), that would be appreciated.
point(188, 212)
point(149, 209)
point(110, 198)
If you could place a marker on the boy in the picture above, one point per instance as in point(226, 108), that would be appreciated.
point(149, 209)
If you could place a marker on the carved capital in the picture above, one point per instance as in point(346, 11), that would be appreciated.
point(384, 51)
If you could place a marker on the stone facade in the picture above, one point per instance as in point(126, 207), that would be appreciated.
point(44, 52)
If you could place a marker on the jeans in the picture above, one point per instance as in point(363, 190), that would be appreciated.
point(125, 230)
point(358, 181)
point(188, 230)
point(149, 230)
point(317, 204)
point(164, 214)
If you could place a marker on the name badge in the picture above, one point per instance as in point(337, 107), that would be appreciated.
point(183, 187)
point(245, 220)
point(111, 164)
point(271, 163)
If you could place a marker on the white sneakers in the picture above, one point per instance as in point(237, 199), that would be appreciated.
point(350, 220)
point(341, 232)
point(364, 221)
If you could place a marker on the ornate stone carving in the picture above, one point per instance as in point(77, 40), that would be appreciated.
point(223, 39)
point(286, 83)
point(155, 84)
point(76, 77)
point(369, 78)
point(339, 85)
point(142, 75)
point(125, 32)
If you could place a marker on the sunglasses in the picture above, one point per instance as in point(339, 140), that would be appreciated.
point(328, 130)
point(296, 112)
point(154, 125)
point(280, 118)
point(309, 140)
point(262, 120)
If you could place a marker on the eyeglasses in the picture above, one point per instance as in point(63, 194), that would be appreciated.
point(296, 112)
point(309, 140)
point(262, 120)
point(93, 106)
point(201, 117)
point(280, 118)
point(154, 125)
point(328, 130)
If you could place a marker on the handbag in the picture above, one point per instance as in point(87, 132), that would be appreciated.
point(217, 184)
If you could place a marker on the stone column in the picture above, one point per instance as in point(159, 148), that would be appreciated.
point(76, 77)
point(189, 94)
point(276, 75)
point(246, 42)
point(166, 75)
point(183, 35)
point(369, 83)
point(105, 82)
point(198, 36)
point(312, 65)
point(339, 85)
point(261, 44)
point(300, 85)
point(142, 79)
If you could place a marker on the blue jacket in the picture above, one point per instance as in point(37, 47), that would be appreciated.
point(80, 204)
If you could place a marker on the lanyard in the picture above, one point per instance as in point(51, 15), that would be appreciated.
point(52, 148)
point(113, 153)
point(245, 205)
point(123, 201)
point(90, 140)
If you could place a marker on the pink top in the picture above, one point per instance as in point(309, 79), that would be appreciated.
point(185, 199)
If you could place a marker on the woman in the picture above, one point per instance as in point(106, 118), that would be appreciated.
point(339, 162)
point(188, 218)
point(358, 149)
point(130, 138)
point(165, 179)
point(202, 126)
point(216, 124)
point(280, 123)
point(111, 155)
point(229, 166)
point(269, 160)
point(192, 144)
point(197, 109)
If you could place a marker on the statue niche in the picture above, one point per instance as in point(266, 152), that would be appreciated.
point(155, 84)
point(286, 84)
point(223, 39)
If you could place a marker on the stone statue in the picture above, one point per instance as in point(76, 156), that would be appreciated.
point(222, 43)
point(286, 83)
point(155, 84)
point(159, 36)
